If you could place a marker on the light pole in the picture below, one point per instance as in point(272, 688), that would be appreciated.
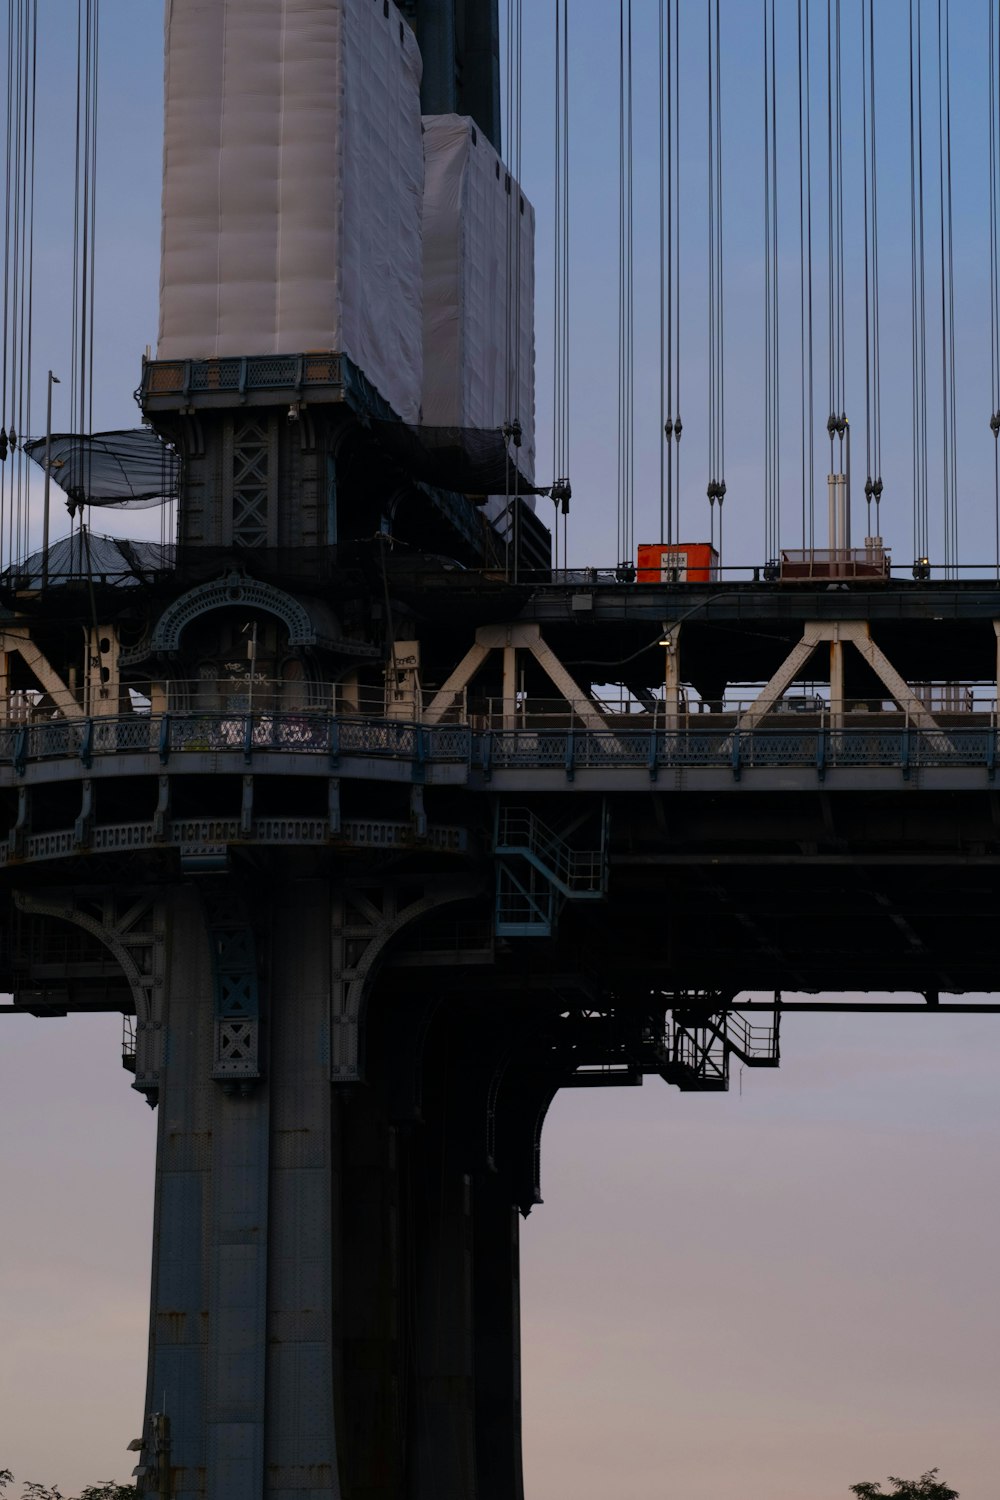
point(53, 380)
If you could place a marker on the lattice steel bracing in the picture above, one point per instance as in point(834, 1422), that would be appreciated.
point(236, 1061)
point(252, 515)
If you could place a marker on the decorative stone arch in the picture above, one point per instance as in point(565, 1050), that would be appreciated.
point(223, 593)
point(136, 929)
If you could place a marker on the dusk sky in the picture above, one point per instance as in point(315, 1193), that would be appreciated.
point(768, 1295)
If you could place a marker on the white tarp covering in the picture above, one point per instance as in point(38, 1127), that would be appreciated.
point(479, 238)
point(293, 183)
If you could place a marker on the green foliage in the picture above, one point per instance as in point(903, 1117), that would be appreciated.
point(105, 1489)
point(927, 1487)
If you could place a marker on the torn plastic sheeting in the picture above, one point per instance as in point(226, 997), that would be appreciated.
point(293, 184)
point(131, 470)
point(86, 554)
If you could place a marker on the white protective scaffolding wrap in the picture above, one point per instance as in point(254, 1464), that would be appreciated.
point(292, 188)
point(479, 282)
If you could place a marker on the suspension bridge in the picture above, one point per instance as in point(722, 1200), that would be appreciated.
point(358, 800)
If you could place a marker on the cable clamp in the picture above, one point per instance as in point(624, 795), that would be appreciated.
point(562, 493)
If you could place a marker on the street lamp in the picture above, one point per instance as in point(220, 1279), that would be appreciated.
point(53, 380)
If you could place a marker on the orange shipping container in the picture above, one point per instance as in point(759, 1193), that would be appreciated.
point(678, 562)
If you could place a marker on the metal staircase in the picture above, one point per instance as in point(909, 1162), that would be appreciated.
point(699, 1042)
point(538, 871)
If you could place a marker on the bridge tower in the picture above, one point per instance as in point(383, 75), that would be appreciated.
point(460, 46)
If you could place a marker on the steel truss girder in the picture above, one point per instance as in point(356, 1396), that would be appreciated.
point(366, 920)
point(133, 929)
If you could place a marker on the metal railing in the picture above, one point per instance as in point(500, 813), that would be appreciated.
point(184, 377)
point(490, 751)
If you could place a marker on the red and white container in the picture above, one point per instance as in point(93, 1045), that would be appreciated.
point(678, 562)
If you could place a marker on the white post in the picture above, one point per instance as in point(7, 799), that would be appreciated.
point(509, 687)
point(672, 677)
point(836, 683)
point(253, 667)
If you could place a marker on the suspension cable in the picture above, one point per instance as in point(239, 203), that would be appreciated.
point(18, 284)
point(948, 455)
point(873, 388)
point(993, 69)
point(806, 365)
point(666, 270)
point(716, 490)
point(674, 330)
point(772, 404)
point(669, 59)
point(561, 488)
point(626, 288)
point(836, 425)
point(918, 302)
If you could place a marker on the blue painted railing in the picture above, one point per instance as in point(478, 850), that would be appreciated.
point(571, 751)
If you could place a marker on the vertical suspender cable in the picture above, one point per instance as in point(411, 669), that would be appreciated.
point(918, 302)
point(802, 276)
point(873, 385)
point(716, 490)
point(626, 289)
point(31, 132)
point(556, 266)
point(712, 460)
point(768, 438)
point(666, 276)
point(948, 457)
point(18, 289)
point(20, 253)
point(669, 46)
point(567, 323)
point(674, 330)
point(561, 490)
point(841, 324)
point(619, 496)
point(772, 417)
point(517, 211)
point(876, 290)
point(720, 301)
point(952, 359)
point(836, 425)
point(806, 367)
point(84, 234)
point(993, 69)
point(5, 508)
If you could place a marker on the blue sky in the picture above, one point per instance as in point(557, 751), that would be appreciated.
point(767, 1296)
